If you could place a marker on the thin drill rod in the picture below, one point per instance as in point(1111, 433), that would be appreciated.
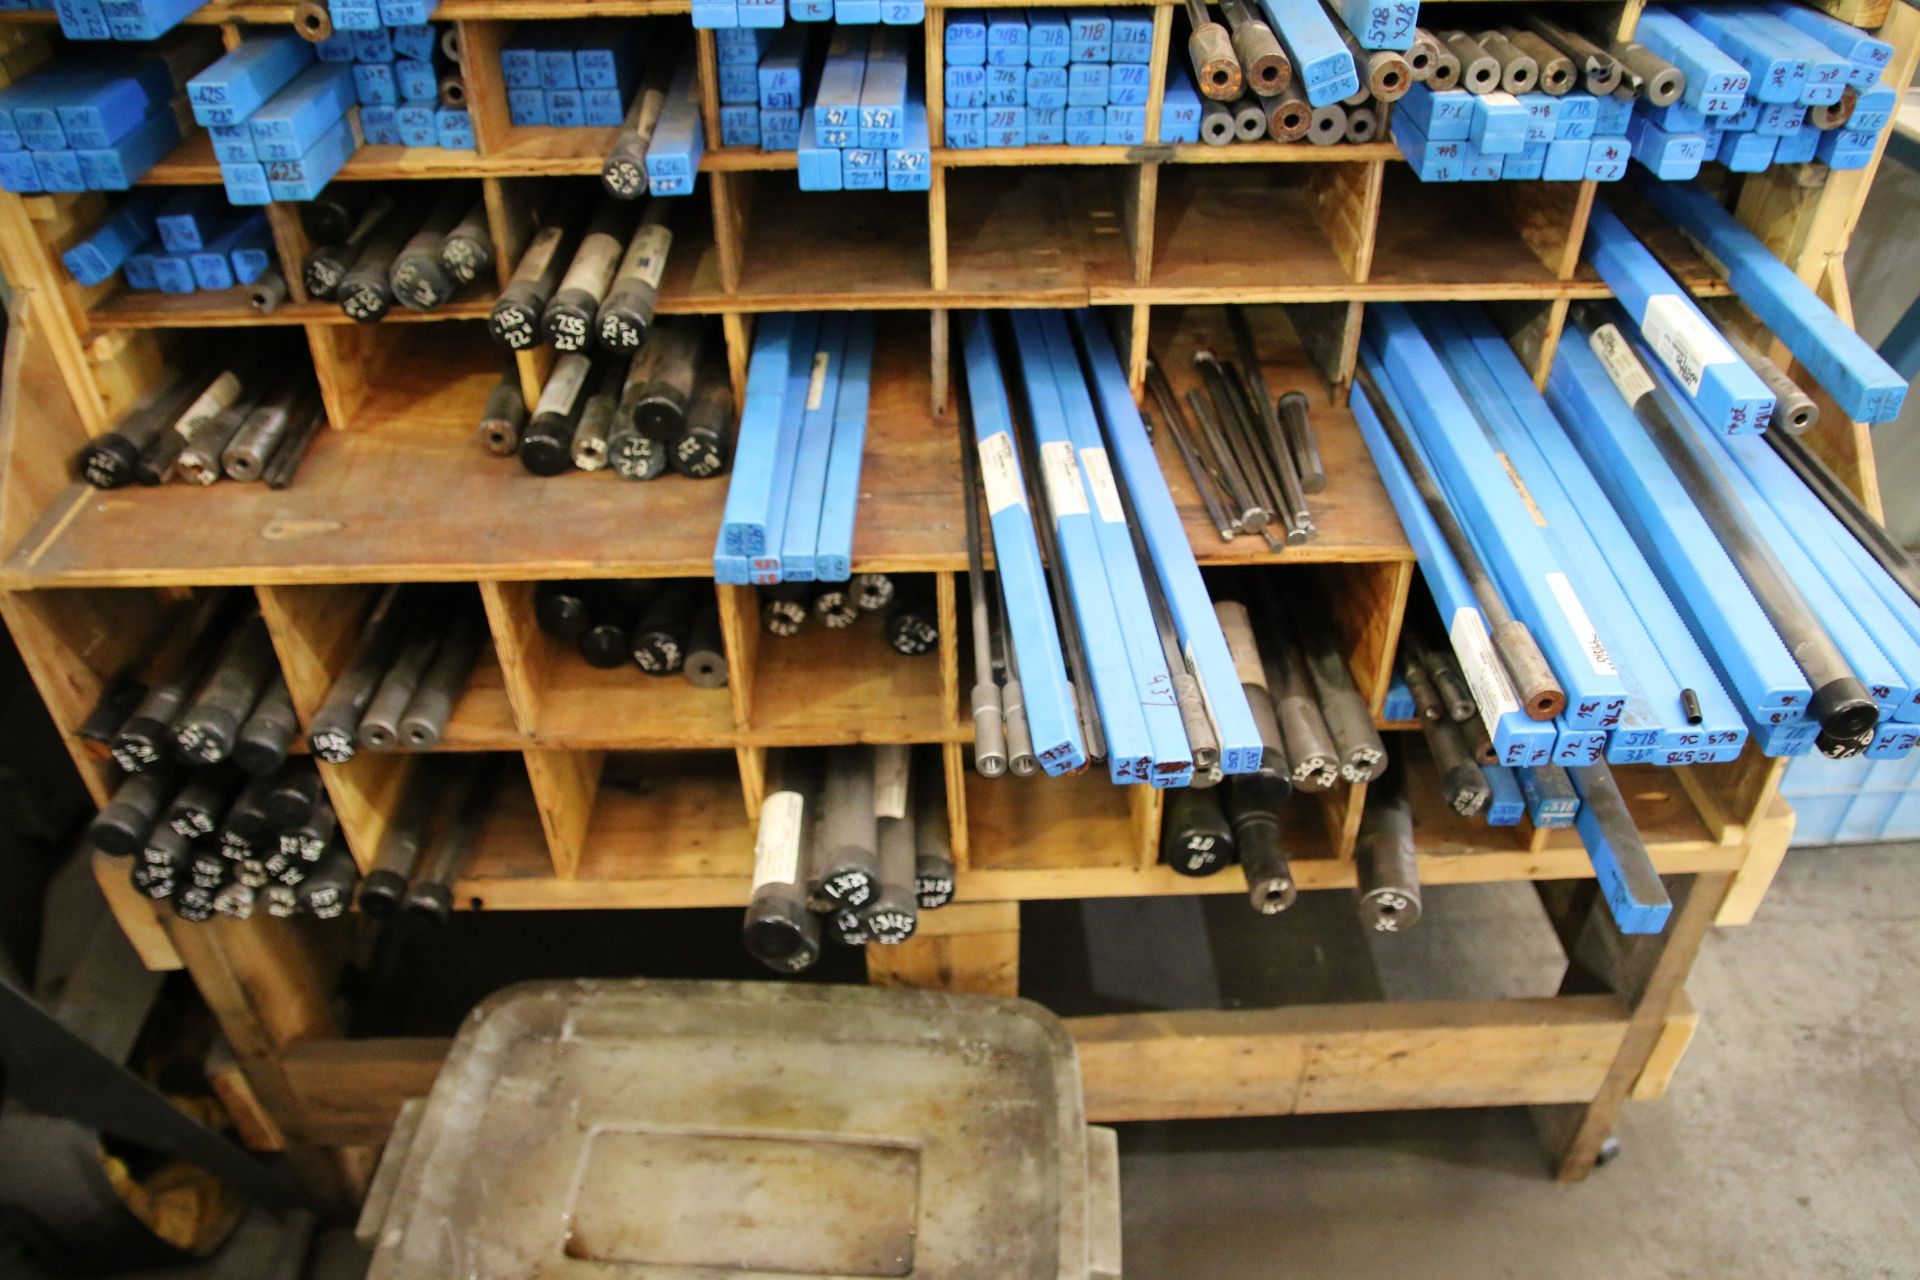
point(1262, 485)
point(1273, 447)
point(1253, 517)
point(1204, 482)
point(989, 716)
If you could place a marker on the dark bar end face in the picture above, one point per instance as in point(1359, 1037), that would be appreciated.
point(1847, 717)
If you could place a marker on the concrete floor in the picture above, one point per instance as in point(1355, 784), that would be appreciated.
point(1787, 1145)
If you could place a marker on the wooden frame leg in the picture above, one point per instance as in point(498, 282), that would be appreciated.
point(1646, 972)
point(263, 983)
point(971, 947)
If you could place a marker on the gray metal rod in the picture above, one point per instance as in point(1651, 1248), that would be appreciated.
point(380, 724)
point(1388, 869)
point(333, 733)
point(932, 838)
point(848, 870)
point(989, 716)
point(1840, 703)
point(1540, 693)
point(431, 706)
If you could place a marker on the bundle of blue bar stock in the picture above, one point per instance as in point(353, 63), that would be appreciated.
point(865, 128)
point(176, 242)
point(1745, 85)
point(1693, 576)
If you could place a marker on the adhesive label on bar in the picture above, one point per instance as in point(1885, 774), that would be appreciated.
point(776, 849)
point(1685, 343)
point(890, 781)
point(817, 384)
point(1590, 642)
point(649, 250)
point(1486, 675)
point(1065, 494)
point(220, 393)
point(1106, 495)
point(1000, 474)
point(1622, 366)
point(1200, 679)
point(1520, 487)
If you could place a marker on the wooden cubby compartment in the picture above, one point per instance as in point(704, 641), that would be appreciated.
point(562, 700)
point(797, 249)
point(76, 640)
point(518, 205)
point(830, 687)
point(542, 148)
point(314, 629)
point(426, 381)
point(1309, 228)
point(1480, 240)
point(1050, 234)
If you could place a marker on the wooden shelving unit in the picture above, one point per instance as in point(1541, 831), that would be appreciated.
point(639, 793)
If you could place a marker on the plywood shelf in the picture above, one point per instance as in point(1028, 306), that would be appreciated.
point(834, 688)
point(1205, 220)
point(407, 496)
point(227, 308)
point(674, 835)
point(1048, 236)
point(281, 15)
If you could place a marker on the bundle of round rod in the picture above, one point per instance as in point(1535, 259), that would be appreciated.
point(429, 837)
point(669, 627)
point(1249, 91)
point(600, 290)
point(403, 675)
point(245, 417)
point(216, 839)
point(1203, 833)
point(667, 407)
point(206, 691)
point(852, 845)
point(1252, 459)
point(446, 250)
point(909, 618)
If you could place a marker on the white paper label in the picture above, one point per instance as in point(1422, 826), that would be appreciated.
point(776, 848)
point(1000, 474)
point(1486, 676)
point(1590, 642)
point(647, 255)
point(1206, 702)
point(1622, 365)
point(1685, 343)
point(890, 781)
point(1106, 495)
point(1065, 494)
point(817, 385)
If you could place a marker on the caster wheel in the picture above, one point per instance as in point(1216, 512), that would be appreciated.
point(1609, 1152)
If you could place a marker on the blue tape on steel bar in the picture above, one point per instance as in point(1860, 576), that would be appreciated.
point(1201, 641)
point(1030, 622)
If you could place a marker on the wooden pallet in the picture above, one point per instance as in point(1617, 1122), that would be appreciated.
point(641, 793)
